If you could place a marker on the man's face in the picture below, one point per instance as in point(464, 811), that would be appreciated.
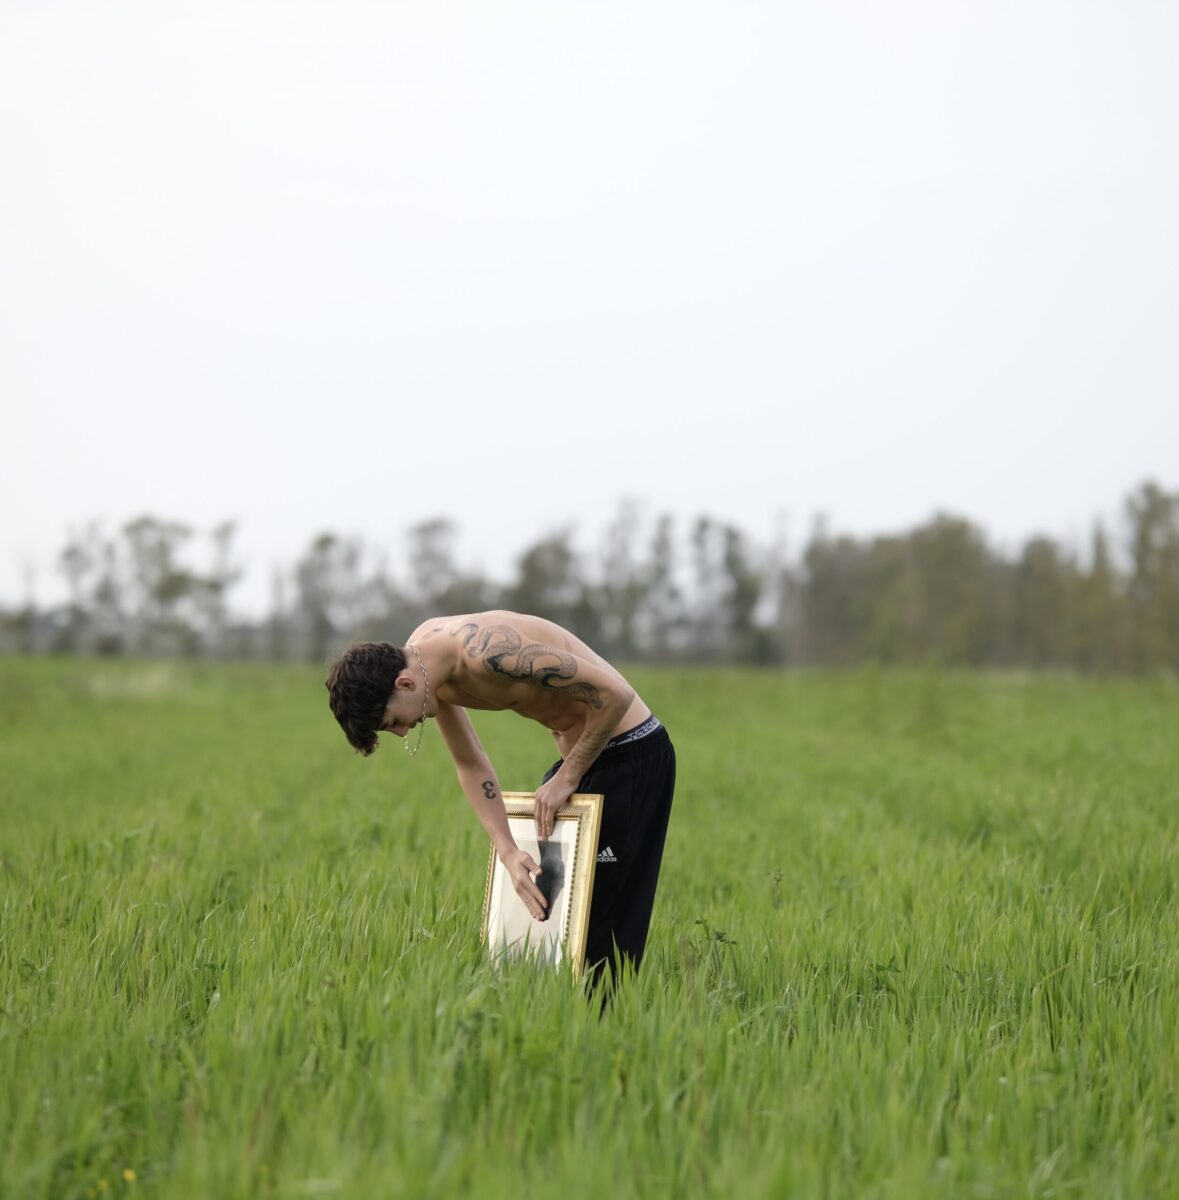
point(404, 709)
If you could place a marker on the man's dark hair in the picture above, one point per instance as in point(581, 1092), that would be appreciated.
point(359, 685)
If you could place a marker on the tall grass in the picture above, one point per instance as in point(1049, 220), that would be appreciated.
point(917, 935)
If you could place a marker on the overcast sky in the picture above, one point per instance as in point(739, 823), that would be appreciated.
point(351, 265)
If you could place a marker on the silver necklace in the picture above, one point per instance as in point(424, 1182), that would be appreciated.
point(425, 705)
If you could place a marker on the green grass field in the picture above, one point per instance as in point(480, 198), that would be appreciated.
point(917, 935)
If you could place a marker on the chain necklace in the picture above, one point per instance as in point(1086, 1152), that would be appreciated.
point(425, 705)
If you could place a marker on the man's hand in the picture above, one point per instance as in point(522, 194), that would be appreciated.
point(549, 797)
point(522, 868)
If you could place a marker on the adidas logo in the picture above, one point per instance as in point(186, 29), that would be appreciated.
point(607, 855)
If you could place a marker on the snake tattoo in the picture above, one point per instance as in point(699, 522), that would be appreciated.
point(495, 643)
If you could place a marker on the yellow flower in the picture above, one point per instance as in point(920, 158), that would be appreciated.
point(129, 1175)
point(103, 1186)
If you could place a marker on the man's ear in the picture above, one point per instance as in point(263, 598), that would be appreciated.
point(404, 681)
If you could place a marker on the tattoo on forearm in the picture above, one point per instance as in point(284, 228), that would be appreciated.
point(497, 644)
point(489, 789)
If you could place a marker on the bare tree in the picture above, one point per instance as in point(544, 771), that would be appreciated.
point(328, 586)
point(625, 584)
point(1153, 593)
point(160, 586)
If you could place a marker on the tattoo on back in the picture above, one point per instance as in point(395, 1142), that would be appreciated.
point(503, 650)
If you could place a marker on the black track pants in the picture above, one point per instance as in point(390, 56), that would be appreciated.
point(637, 780)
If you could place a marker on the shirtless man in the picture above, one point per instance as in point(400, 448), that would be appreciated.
point(608, 740)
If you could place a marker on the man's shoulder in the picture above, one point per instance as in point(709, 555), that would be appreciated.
point(504, 622)
point(502, 630)
point(447, 626)
point(454, 623)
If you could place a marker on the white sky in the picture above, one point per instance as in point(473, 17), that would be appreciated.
point(351, 265)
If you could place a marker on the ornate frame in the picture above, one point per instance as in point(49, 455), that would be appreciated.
point(576, 830)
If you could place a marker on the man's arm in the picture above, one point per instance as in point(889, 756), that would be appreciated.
point(481, 787)
point(600, 723)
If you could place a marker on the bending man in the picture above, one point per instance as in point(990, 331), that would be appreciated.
point(608, 740)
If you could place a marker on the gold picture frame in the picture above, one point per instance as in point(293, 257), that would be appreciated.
point(572, 853)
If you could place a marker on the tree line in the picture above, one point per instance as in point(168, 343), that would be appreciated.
point(661, 591)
